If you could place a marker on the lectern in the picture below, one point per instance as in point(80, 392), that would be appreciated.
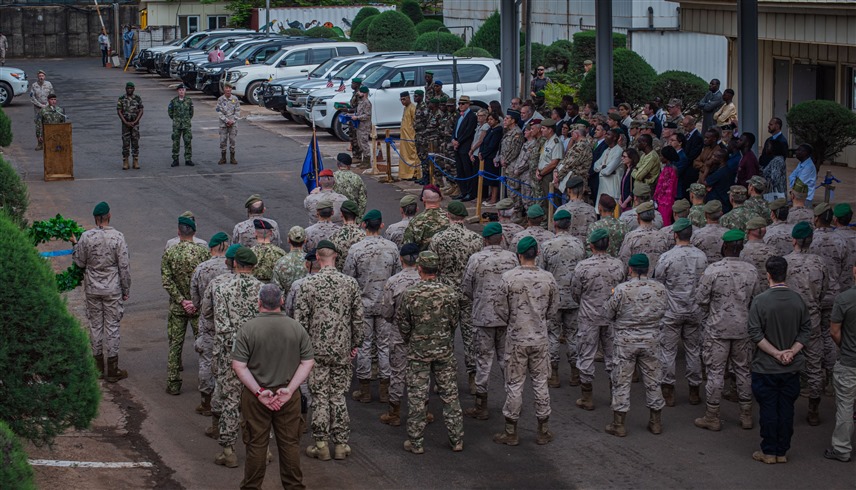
point(59, 162)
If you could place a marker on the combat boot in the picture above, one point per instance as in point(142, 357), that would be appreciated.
point(509, 436)
point(222, 158)
point(174, 162)
point(40, 146)
point(472, 382)
point(429, 417)
point(409, 447)
point(189, 163)
point(586, 402)
point(393, 416)
point(99, 365)
point(124, 163)
point(479, 412)
point(616, 428)
point(214, 431)
point(364, 394)
point(136, 162)
point(655, 422)
point(710, 421)
point(553, 382)
point(695, 395)
point(341, 451)
point(232, 159)
point(544, 435)
point(115, 374)
point(668, 394)
point(384, 390)
point(813, 417)
point(746, 414)
point(575, 376)
point(204, 408)
point(227, 458)
point(319, 450)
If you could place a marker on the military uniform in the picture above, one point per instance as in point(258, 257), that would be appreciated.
point(647, 240)
point(364, 132)
point(356, 149)
point(756, 252)
point(559, 256)
point(288, 269)
point(181, 112)
point(737, 218)
point(424, 226)
point(393, 291)
point(268, 255)
point(709, 241)
point(520, 170)
point(245, 232)
point(631, 223)
point(759, 206)
point(202, 277)
point(311, 201)
point(540, 235)
point(577, 161)
point(176, 240)
point(321, 230)
point(582, 217)
point(847, 234)
point(208, 333)
point(344, 238)
point(510, 229)
point(177, 267)
point(795, 215)
point(395, 231)
point(835, 253)
point(329, 305)
point(420, 124)
point(228, 111)
point(49, 115)
point(697, 217)
point(779, 237)
point(616, 230)
point(130, 107)
point(351, 186)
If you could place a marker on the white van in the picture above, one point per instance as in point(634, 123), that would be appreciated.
point(289, 62)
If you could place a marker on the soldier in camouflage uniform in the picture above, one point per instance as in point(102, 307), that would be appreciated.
point(202, 277)
point(103, 254)
point(176, 239)
point(481, 284)
point(757, 186)
point(645, 239)
point(680, 209)
point(432, 130)
point(505, 210)
point(641, 194)
point(356, 149)
point(799, 212)
point(348, 183)
point(447, 129)
point(290, 267)
point(130, 111)
point(420, 124)
point(534, 217)
point(454, 246)
point(738, 216)
point(582, 213)
point(39, 91)
point(228, 111)
point(235, 301)
point(363, 116)
point(519, 170)
point(245, 231)
point(614, 227)
point(330, 307)
point(842, 214)
point(696, 194)
point(311, 267)
point(325, 192)
point(50, 114)
point(393, 291)
point(756, 252)
point(372, 261)
point(577, 162)
point(267, 254)
point(428, 223)
point(679, 269)
point(559, 256)
point(528, 303)
point(324, 227)
point(511, 144)
point(593, 281)
point(778, 233)
point(709, 238)
point(349, 234)
point(395, 231)
point(636, 306)
point(180, 110)
point(724, 292)
point(427, 317)
point(177, 267)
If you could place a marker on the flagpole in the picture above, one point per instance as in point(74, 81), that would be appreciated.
point(314, 150)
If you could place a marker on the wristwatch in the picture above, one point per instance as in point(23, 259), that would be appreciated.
point(259, 392)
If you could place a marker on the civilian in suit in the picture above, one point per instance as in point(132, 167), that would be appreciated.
point(776, 145)
point(600, 146)
point(462, 140)
point(650, 111)
point(572, 114)
point(694, 142)
point(687, 174)
point(710, 103)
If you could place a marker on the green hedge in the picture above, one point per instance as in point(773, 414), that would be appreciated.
point(15, 471)
point(558, 55)
point(633, 79)
point(361, 32)
point(322, 32)
point(472, 52)
point(412, 10)
point(391, 31)
point(362, 15)
point(539, 52)
point(430, 25)
point(448, 43)
point(5, 129)
point(683, 85)
point(584, 47)
point(291, 31)
point(14, 199)
point(487, 37)
point(824, 124)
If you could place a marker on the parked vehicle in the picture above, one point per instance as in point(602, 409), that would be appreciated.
point(178, 64)
point(165, 64)
point(13, 82)
point(146, 59)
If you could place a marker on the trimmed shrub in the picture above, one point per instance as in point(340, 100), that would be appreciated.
point(49, 378)
point(448, 43)
point(472, 52)
point(391, 31)
point(584, 47)
point(322, 32)
point(824, 124)
point(558, 55)
point(674, 84)
point(15, 471)
point(362, 15)
point(555, 91)
point(633, 78)
point(538, 58)
point(361, 32)
point(13, 194)
point(487, 37)
point(291, 31)
point(412, 10)
point(430, 25)
point(5, 129)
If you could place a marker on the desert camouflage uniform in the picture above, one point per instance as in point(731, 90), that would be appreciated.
point(202, 277)
point(328, 304)
point(582, 217)
point(540, 235)
point(509, 148)
point(268, 255)
point(39, 97)
point(647, 240)
point(364, 132)
point(848, 234)
point(356, 150)
point(724, 292)
point(519, 170)
point(795, 215)
point(228, 110)
point(288, 269)
point(321, 230)
point(737, 218)
point(697, 216)
point(481, 285)
point(779, 237)
point(594, 279)
point(207, 329)
point(447, 129)
point(756, 252)
point(344, 238)
point(103, 254)
point(393, 290)
point(528, 303)
point(424, 226)
point(510, 229)
point(352, 187)
point(130, 107)
point(680, 269)
point(709, 241)
point(245, 231)
point(616, 229)
point(631, 223)
point(395, 231)
point(577, 161)
point(559, 257)
point(181, 113)
point(427, 317)
point(759, 206)
point(420, 124)
point(312, 200)
point(535, 190)
point(833, 249)
point(636, 306)
point(177, 267)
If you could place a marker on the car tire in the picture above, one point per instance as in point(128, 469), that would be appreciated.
point(338, 130)
point(298, 119)
point(286, 115)
point(6, 94)
point(254, 92)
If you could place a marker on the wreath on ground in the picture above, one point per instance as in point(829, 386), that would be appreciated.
point(59, 228)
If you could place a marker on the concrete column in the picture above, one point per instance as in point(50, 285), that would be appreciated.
point(603, 46)
point(747, 66)
point(509, 21)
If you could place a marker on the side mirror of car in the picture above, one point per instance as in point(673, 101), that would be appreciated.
point(385, 84)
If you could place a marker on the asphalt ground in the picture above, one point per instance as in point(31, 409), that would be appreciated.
point(164, 430)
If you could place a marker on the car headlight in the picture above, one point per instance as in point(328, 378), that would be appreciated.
point(237, 75)
point(19, 76)
point(323, 97)
point(276, 89)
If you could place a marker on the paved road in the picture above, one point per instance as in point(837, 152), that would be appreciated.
point(145, 205)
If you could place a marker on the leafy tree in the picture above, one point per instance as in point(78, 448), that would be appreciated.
point(487, 37)
point(558, 55)
point(430, 25)
point(555, 91)
point(413, 10)
point(5, 129)
point(362, 15)
point(13, 194)
point(49, 377)
point(361, 32)
point(15, 471)
point(321, 32)
point(391, 31)
point(539, 52)
point(683, 85)
point(583, 47)
point(633, 78)
point(472, 52)
point(448, 43)
point(824, 124)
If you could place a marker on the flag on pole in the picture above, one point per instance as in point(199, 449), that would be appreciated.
point(329, 82)
point(311, 164)
point(341, 86)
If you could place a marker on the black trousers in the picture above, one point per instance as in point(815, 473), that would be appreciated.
point(464, 168)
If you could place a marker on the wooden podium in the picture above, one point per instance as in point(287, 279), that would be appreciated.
point(59, 161)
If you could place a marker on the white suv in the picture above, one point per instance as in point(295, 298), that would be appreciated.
point(476, 77)
point(290, 61)
point(13, 82)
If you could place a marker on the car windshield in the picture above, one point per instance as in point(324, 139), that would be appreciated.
point(197, 41)
point(368, 71)
point(272, 60)
point(374, 80)
point(350, 70)
point(242, 53)
point(323, 68)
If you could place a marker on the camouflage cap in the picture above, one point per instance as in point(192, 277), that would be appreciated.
point(734, 235)
point(799, 187)
point(188, 214)
point(737, 190)
point(645, 206)
point(697, 189)
point(802, 230)
point(407, 200)
point(101, 209)
point(641, 189)
point(428, 259)
point(297, 234)
point(842, 209)
point(714, 206)
point(217, 239)
point(821, 208)
point(680, 206)
point(457, 208)
point(324, 204)
point(638, 260)
point(674, 102)
point(252, 199)
point(491, 229)
point(756, 223)
point(504, 204)
point(526, 243)
point(548, 123)
point(778, 204)
point(245, 255)
point(233, 248)
point(758, 183)
point(184, 220)
point(681, 224)
point(597, 235)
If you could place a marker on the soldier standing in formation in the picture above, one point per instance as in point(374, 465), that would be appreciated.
point(325, 191)
point(420, 125)
point(778, 233)
point(505, 210)
point(739, 214)
point(614, 227)
point(709, 238)
point(228, 111)
point(290, 267)
point(267, 254)
point(534, 217)
point(349, 234)
point(324, 227)
point(428, 223)
point(39, 92)
point(363, 117)
point(395, 231)
point(582, 213)
point(356, 149)
point(348, 183)
point(755, 251)
point(180, 110)
point(646, 238)
point(245, 231)
point(103, 254)
point(130, 111)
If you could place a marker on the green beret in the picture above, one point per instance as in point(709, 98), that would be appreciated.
point(526, 243)
point(598, 235)
point(407, 200)
point(535, 211)
point(734, 235)
point(504, 204)
point(245, 255)
point(350, 206)
point(645, 206)
point(799, 187)
point(434, 100)
point(457, 208)
point(713, 206)
point(101, 209)
point(428, 259)
point(681, 205)
point(252, 199)
point(681, 224)
point(357, 80)
point(802, 230)
point(697, 189)
point(841, 210)
point(373, 214)
point(561, 214)
point(323, 204)
point(184, 220)
point(756, 223)
point(491, 229)
point(641, 189)
point(821, 208)
point(230, 252)
point(297, 234)
point(419, 92)
point(364, 89)
point(129, 84)
point(638, 260)
point(218, 239)
point(574, 182)
point(778, 204)
point(328, 245)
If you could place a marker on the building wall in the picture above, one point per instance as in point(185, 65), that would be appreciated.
point(702, 54)
point(165, 13)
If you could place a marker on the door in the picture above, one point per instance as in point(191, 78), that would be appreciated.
point(188, 24)
point(804, 84)
point(781, 91)
point(292, 64)
point(386, 103)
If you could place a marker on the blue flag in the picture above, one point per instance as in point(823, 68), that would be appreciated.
point(307, 173)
